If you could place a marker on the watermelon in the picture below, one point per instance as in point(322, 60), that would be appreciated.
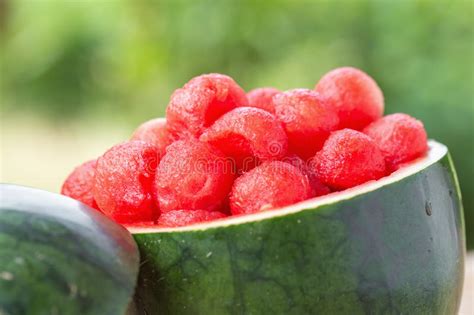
point(58, 256)
point(392, 246)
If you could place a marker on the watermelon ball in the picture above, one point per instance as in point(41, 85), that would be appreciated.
point(80, 183)
point(317, 188)
point(355, 95)
point(154, 132)
point(193, 175)
point(348, 158)
point(263, 98)
point(268, 186)
point(248, 135)
point(401, 138)
point(123, 186)
point(307, 120)
point(200, 102)
point(177, 218)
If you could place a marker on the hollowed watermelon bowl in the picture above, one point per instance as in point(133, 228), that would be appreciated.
point(392, 246)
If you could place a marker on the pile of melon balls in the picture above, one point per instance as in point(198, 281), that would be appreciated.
point(222, 152)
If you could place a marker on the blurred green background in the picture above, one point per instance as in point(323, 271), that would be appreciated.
point(76, 77)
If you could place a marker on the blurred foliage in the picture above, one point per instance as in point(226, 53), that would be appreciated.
point(122, 59)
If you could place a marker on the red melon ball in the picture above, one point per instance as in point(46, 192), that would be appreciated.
point(154, 132)
point(348, 158)
point(307, 120)
point(200, 102)
point(176, 218)
point(263, 98)
point(317, 188)
point(355, 95)
point(123, 186)
point(80, 183)
point(248, 135)
point(268, 186)
point(193, 175)
point(401, 138)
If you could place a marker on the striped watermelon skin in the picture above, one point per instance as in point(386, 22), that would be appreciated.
point(57, 256)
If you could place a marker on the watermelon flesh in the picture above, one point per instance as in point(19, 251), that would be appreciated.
point(248, 134)
point(177, 218)
point(263, 98)
point(356, 96)
point(400, 137)
point(213, 150)
point(200, 102)
point(80, 184)
point(349, 158)
point(123, 183)
point(155, 132)
point(192, 176)
point(308, 120)
point(268, 186)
